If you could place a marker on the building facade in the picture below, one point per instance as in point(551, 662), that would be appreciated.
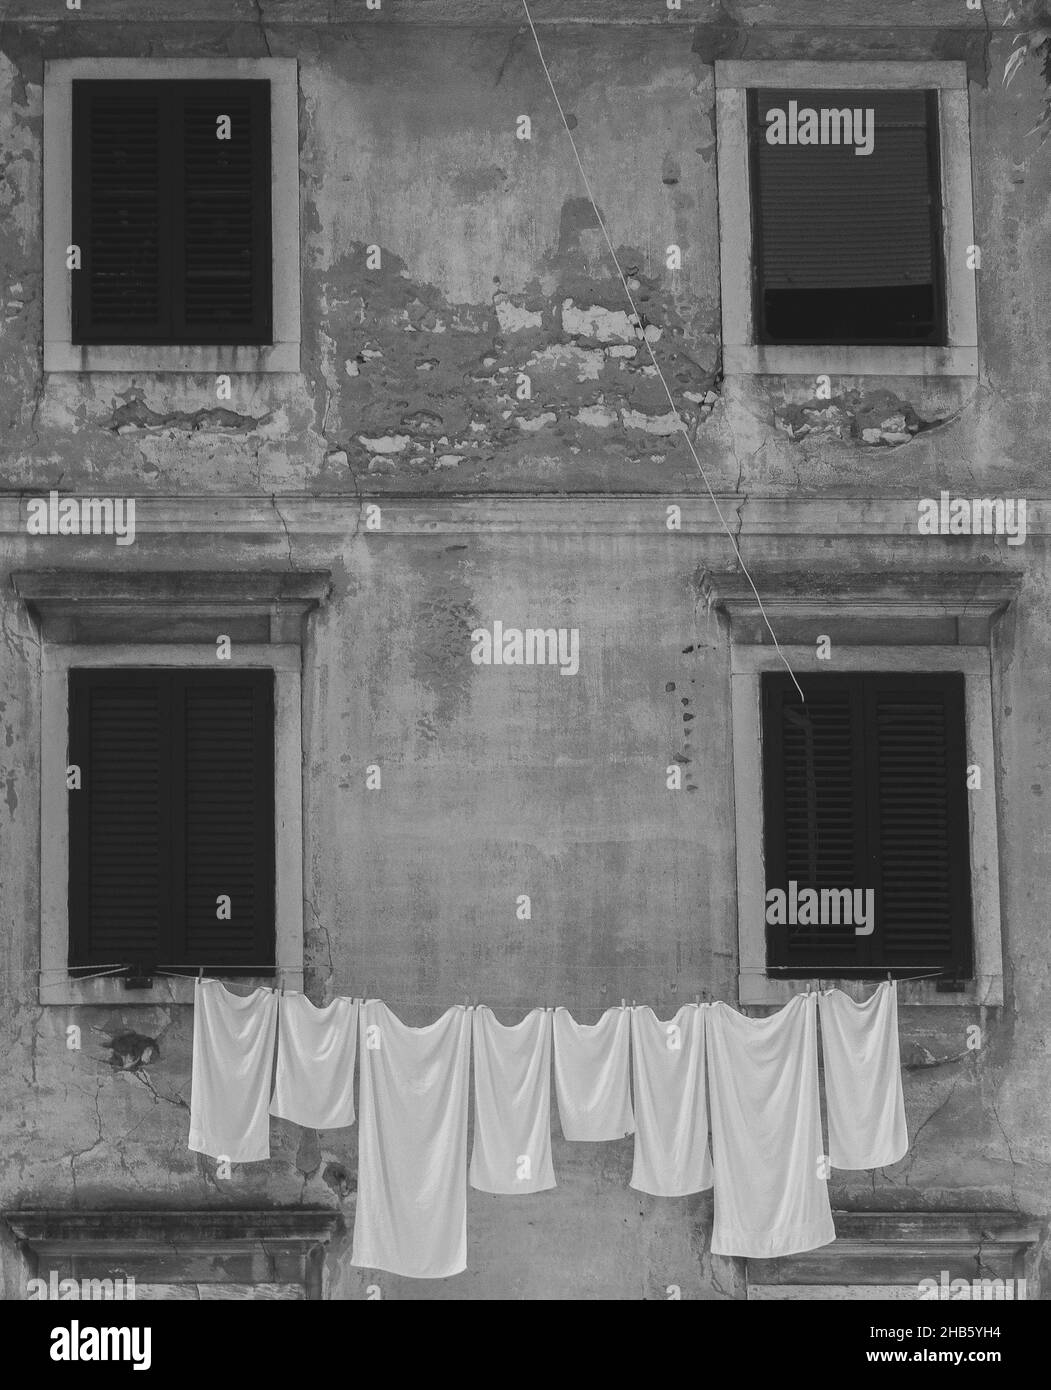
point(445, 413)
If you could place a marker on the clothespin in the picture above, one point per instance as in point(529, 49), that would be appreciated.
point(281, 981)
point(623, 1003)
point(200, 973)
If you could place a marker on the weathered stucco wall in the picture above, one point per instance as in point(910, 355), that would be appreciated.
point(497, 783)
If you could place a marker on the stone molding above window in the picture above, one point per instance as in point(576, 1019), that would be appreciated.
point(743, 354)
point(61, 354)
point(884, 1255)
point(171, 619)
point(213, 1249)
point(834, 602)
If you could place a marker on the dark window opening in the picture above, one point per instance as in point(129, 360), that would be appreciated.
point(864, 787)
point(847, 245)
point(174, 811)
point(172, 221)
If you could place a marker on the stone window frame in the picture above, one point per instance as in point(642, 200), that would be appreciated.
point(61, 354)
point(905, 596)
point(743, 354)
point(58, 602)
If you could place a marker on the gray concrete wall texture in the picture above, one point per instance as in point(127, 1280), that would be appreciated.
point(547, 511)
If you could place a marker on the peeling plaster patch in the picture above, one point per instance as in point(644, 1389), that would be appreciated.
point(652, 424)
point(337, 458)
point(587, 363)
point(339, 1180)
point(448, 461)
point(537, 422)
point(351, 367)
point(381, 464)
point(512, 318)
point(598, 416)
point(425, 422)
point(130, 1051)
point(603, 325)
point(621, 350)
point(386, 443)
point(877, 418)
point(134, 415)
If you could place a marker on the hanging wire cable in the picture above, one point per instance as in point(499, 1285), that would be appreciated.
point(649, 348)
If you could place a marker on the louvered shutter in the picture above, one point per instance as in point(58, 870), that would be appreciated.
point(176, 808)
point(864, 787)
point(919, 831)
point(222, 291)
point(119, 830)
point(827, 220)
point(120, 216)
point(227, 825)
point(173, 222)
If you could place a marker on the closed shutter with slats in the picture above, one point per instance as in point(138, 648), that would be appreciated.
point(173, 222)
point(847, 246)
point(175, 809)
point(864, 787)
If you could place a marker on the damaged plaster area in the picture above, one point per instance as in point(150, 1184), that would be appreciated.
point(877, 418)
point(134, 414)
point(545, 371)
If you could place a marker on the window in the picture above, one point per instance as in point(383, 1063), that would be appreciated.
point(189, 241)
point(171, 833)
point(912, 676)
point(845, 218)
point(210, 754)
point(171, 211)
point(864, 788)
point(846, 226)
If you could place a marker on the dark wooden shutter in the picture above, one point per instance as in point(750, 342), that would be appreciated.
point(121, 222)
point(223, 278)
point(919, 819)
point(865, 787)
point(847, 246)
point(176, 808)
point(228, 815)
point(173, 223)
point(119, 829)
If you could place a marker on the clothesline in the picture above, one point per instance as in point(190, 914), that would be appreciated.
point(751, 1084)
point(180, 973)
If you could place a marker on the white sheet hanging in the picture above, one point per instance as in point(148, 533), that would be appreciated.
point(770, 1197)
point(411, 1215)
point(863, 1094)
point(233, 1058)
point(316, 1052)
point(671, 1111)
point(591, 1075)
point(511, 1153)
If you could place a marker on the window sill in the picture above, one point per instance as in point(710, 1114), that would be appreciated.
point(772, 360)
point(58, 987)
point(756, 987)
point(210, 358)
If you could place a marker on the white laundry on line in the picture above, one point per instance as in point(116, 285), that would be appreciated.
point(671, 1112)
point(863, 1094)
point(233, 1058)
point(591, 1075)
point(770, 1196)
point(316, 1054)
point(411, 1215)
point(512, 1104)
